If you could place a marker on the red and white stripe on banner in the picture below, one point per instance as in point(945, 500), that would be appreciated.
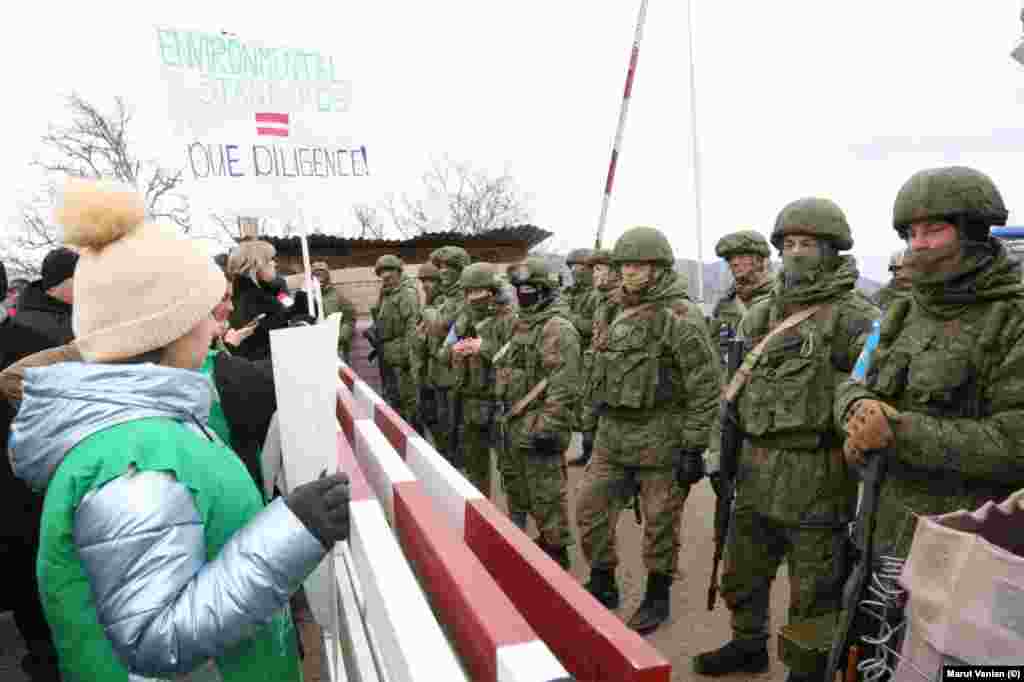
point(395, 608)
point(493, 638)
point(590, 641)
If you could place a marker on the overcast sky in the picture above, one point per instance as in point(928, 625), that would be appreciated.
point(798, 98)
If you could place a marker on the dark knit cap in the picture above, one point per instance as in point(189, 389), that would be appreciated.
point(58, 266)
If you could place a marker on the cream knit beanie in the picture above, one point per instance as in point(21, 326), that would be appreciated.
point(138, 286)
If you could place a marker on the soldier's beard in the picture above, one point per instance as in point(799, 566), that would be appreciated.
point(448, 277)
point(747, 281)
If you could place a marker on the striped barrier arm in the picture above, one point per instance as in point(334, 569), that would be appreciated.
point(590, 641)
point(493, 638)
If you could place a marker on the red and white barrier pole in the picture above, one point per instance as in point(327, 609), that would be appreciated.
point(623, 112)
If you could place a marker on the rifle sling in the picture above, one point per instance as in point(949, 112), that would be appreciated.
point(525, 401)
point(739, 379)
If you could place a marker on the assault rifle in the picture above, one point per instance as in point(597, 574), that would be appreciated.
point(731, 442)
point(855, 622)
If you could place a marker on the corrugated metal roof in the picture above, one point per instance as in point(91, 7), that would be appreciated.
point(530, 235)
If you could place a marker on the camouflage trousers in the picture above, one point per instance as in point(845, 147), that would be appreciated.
point(607, 487)
point(755, 548)
point(536, 484)
point(443, 416)
point(400, 391)
point(476, 436)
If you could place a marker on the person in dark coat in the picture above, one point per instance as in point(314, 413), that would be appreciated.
point(43, 321)
point(252, 267)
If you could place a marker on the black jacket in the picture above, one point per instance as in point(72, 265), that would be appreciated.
point(248, 399)
point(252, 300)
point(41, 322)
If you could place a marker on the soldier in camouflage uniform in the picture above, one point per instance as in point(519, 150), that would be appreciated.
point(794, 492)
point(482, 329)
point(579, 297)
point(655, 386)
point(898, 287)
point(748, 255)
point(537, 377)
point(942, 394)
point(420, 357)
point(337, 302)
point(449, 261)
point(606, 282)
point(397, 311)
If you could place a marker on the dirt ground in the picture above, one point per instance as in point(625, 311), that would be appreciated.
point(691, 628)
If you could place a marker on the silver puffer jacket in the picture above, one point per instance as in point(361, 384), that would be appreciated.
point(192, 610)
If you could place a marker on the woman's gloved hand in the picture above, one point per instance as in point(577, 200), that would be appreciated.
point(322, 506)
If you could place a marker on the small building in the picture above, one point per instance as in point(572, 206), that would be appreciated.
point(351, 260)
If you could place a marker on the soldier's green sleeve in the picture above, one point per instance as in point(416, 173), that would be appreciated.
point(698, 407)
point(348, 322)
point(560, 360)
point(583, 317)
point(990, 448)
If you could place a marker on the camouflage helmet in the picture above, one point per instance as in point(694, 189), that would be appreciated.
point(600, 257)
point(953, 191)
point(896, 259)
point(535, 271)
point(388, 262)
point(815, 217)
point(454, 257)
point(643, 245)
point(428, 271)
point(743, 242)
point(578, 257)
point(479, 276)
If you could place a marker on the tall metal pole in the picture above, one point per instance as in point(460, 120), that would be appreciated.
point(696, 157)
point(623, 112)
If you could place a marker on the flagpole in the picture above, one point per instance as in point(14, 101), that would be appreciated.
point(634, 55)
point(696, 157)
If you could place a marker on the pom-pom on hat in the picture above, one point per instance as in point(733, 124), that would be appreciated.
point(138, 286)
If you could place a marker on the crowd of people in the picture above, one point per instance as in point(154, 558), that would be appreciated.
point(138, 391)
point(140, 542)
point(626, 358)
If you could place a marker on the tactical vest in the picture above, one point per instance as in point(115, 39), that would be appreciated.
point(631, 367)
point(517, 365)
point(391, 329)
point(937, 367)
point(791, 389)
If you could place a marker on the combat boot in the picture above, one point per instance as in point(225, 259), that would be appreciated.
point(588, 449)
point(654, 608)
point(747, 656)
point(602, 586)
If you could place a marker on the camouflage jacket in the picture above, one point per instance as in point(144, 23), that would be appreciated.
point(951, 360)
point(421, 358)
point(336, 302)
point(653, 359)
point(474, 374)
point(395, 319)
point(791, 468)
point(729, 310)
point(888, 294)
point(581, 300)
point(449, 305)
point(544, 346)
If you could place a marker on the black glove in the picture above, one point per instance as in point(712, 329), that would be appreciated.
point(689, 467)
point(545, 443)
point(322, 506)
